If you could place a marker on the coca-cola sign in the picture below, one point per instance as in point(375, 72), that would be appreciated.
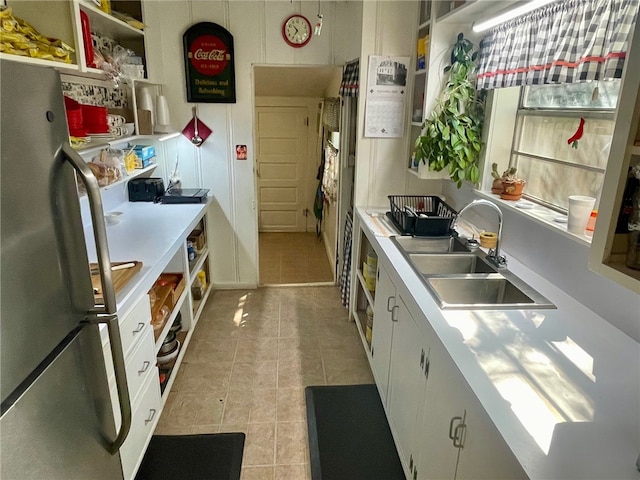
point(209, 64)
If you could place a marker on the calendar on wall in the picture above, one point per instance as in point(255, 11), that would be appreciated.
point(386, 96)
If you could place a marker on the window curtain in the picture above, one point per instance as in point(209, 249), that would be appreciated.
point(350, 79)
point(565, 42)
point(345, 276)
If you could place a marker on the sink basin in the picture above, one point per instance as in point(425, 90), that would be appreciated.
point(429, 244)
point(439, 264)
point(485, 292)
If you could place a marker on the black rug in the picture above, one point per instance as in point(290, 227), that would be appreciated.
point(349, 437)
point(193, 457)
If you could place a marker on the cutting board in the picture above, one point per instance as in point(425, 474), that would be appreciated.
point(119, 278)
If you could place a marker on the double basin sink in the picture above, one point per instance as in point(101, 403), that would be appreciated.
point(462, 279)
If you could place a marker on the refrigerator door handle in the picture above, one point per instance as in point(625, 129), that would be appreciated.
point(124, 399)
point(105, 313)
point(99, 229)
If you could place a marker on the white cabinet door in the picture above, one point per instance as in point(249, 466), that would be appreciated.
point(449, 403)
point(382, 330)
point(406, 382)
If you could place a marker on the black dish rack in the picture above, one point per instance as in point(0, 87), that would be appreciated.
point(433, 217)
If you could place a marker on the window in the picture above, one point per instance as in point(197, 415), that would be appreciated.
point(548, 116)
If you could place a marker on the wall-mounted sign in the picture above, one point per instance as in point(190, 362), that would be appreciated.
point(209, 64)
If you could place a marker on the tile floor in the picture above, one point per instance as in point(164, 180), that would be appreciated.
point(250, 357)
point(287, 258)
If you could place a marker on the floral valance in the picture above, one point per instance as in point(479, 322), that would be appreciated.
point(565, 42)
point(350, 79)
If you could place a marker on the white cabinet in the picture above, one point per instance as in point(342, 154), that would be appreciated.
point(384, 316)
point(407, 379)
point(607, 255)
point(456, 437)
point(62, 20)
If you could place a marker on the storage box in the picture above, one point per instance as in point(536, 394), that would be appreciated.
point(177, 283)
point(144, 152)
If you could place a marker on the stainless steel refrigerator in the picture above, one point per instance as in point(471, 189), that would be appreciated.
point(56, 419)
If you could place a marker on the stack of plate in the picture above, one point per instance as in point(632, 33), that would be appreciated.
point(74, 118)
point(95, 120)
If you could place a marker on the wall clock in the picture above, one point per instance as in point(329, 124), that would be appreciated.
point(296, 31)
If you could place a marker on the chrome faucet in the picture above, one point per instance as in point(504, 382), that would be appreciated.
point(494, 254)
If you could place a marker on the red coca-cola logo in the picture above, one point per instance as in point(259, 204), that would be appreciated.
point(208, 55)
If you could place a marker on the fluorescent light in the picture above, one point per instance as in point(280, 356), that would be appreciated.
point(509, 14)
point(169, 136)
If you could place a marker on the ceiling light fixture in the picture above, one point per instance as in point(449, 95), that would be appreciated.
point(509, 14)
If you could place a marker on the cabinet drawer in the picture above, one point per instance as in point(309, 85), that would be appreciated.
point(141, 363)
point(131, 324)
point(146, 411)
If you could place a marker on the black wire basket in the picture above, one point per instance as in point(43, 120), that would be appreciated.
point(422, 215)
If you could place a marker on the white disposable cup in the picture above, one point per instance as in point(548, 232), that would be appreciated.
point(580, 208)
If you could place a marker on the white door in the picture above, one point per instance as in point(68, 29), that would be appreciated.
point(382, 329)
point(283, 169)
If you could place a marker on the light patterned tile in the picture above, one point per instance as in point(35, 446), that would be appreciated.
point(265, 375)
point(259, 447)
point(291, 405)
point(237, 407)
point(300, 373)
point(263, 405)
point(354, 371)
point(291, 443)
point(203, 377)
point(242, 376)
point(257, 473)
point(211, 351)
point(293, 472)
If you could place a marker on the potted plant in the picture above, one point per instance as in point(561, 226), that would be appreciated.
point(507, 177)
point(512, 186)
point(451, 135)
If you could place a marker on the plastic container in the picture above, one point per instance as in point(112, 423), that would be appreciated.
point(369, 328)
point(433, 216)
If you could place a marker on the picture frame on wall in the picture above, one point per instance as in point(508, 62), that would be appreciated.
point(209, 64)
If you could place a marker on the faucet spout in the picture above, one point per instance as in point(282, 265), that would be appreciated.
point(494, 254)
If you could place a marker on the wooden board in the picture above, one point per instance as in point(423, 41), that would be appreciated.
point(119, 278)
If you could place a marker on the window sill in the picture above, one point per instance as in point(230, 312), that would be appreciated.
point(539, 214)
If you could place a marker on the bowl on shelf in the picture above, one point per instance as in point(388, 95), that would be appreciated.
point(166, 357)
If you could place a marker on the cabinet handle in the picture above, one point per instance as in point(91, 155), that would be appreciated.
point(140, 327)
point(389, 300)
point(453, 420)
point(422, 358)
point(393, 310)
point(145, 367)
point(427, 366)
point(457, 433)
point(152, 414)
point(415, 474)
point(411, 463)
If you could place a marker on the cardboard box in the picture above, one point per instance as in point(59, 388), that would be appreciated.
point(145, 125)
point(144, 152)
point(198, 239)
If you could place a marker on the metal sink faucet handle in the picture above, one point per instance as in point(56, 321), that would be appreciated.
point(494, 254)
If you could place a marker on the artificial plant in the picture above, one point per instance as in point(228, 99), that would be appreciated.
point(451, 135)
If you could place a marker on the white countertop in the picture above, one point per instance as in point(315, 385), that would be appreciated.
point(148, 232)
point(562, 386)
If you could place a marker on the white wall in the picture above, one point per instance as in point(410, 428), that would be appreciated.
point(256, 27)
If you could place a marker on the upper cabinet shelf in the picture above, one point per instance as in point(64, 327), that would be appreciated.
point(62, 20)
point(467, 12)
point(107, 25)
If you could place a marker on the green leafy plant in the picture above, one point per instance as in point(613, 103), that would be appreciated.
point(451, 135)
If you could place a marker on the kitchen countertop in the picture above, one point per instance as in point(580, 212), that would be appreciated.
point(569, 406)
point(148, 232)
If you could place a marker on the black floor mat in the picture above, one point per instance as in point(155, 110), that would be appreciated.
point(193, 457)
point(349, 437)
